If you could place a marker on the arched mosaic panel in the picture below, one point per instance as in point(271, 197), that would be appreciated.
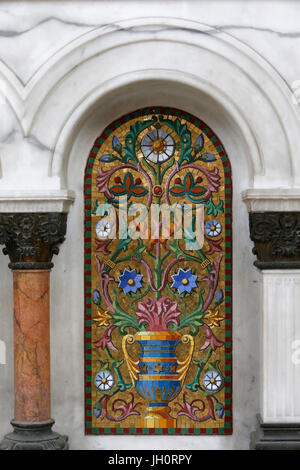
point(158, 320)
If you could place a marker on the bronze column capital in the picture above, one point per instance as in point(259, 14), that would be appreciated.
point(276, 237)
point(31, 239)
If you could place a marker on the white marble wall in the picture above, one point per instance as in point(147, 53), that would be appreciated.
point(67, 70)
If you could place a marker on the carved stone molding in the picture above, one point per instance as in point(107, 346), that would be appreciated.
point(276, 237)
point(275, 436)
point(31, 239)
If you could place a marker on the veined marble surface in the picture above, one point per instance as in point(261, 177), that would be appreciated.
point(269, 27)
point(55, 56)
point(52, 53)
point(67, 69)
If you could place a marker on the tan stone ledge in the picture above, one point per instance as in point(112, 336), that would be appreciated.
point(272, 199)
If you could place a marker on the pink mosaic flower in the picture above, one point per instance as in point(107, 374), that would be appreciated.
point(158, 313)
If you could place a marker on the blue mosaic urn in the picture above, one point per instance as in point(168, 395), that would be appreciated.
point(158, 375)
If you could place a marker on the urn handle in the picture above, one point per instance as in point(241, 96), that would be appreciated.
point(185, 364)
point(131, 364)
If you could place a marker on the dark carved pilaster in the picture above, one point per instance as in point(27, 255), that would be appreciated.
point(31, 239)
point(276, 237)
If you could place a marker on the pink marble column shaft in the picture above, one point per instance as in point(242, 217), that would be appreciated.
point(32, 345)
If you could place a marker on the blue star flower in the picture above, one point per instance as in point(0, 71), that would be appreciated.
point(130, 281)
point(184, 281)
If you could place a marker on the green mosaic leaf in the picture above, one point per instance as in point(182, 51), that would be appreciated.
point(123, 319)
point(184, 136)
point(213, 209)
point(130, 139)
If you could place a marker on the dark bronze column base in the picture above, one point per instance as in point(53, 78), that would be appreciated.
point(276, 436)
point(37, 436)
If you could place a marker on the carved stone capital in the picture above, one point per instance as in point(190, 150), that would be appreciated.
point(31, 239)
point(276, 237)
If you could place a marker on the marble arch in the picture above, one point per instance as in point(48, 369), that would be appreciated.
point(75, 79)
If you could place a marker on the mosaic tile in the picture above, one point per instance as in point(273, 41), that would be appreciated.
point(158, 348)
